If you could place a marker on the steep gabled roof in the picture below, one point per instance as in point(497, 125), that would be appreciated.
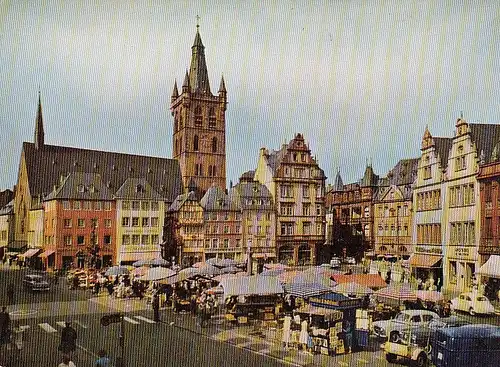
point(254, 191)
point(83, 186)
point(443, 146)
point(216, 199)
point(486, 137)
point(181, 199)
point(404, 172)
point(46, 166)
point(137, 188)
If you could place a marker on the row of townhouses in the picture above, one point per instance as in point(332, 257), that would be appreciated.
point(438, 210)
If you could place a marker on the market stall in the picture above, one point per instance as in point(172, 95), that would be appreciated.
point(251, 298)
point(343, 332)
point(322, 323)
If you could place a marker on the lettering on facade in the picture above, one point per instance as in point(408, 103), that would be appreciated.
point(429, 250)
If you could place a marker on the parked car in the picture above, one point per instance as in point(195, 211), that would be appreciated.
point(350, 260)
point(475, 345)
point(423, 336)
point(472, 303)
point(408, 318)
point(36, 282)
point(335, 262)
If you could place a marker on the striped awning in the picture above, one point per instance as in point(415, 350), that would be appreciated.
point(305, 290)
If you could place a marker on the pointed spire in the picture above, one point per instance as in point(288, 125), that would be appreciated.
point(185, 85)
point(39, 133)
point(222, 86)
point(175, 92)
point(198, 74)
point(338, 185)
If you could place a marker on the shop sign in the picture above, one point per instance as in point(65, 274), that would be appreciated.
point(462, 252)
point(429, 250)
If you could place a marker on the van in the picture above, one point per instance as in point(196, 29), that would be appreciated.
point(469, 345)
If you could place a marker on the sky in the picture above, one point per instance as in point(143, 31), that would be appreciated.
point(359, 79)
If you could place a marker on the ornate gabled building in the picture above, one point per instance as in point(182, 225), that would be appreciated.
point(190, 235)
point(393, 211)
point(258, 218)
point(43, 168)
point(350, 215)
point(297, 184)
point(222, 225)
point(447, 223)
point(428, 202)
point(199, 134)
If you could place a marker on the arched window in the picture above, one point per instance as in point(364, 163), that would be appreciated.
point(211, 118)
point(197, 116)
point(195, 143)
point(214, 144)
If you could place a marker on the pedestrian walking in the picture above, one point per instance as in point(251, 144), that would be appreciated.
point(156, 307)
point(66, 362)
point(68, 339)
point(4, 326)
point(103, 360)
point(11, 293)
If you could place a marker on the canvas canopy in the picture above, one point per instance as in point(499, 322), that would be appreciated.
point(251, 285)
point(491, 268)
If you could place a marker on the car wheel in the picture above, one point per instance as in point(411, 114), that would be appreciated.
point(421, 360)
point(472, 312)
point(391, 358)
point(395, 337)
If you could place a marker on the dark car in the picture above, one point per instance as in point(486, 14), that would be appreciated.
point(467, 346)
point(424, 336)
point(36, 282)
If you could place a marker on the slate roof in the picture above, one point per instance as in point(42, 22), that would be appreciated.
point(404, 172)
point(47, 165)
point(486, 137)
point(443, 146)
point(181, 199)
point(251, 190)
point(83, 186)
point(216, 199)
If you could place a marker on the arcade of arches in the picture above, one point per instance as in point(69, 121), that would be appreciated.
point(298, 254)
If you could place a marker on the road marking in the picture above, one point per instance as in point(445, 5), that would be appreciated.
point(61, 323)
point(80, 324)
point(149, 321)
point(132, 321)
point(46, 327)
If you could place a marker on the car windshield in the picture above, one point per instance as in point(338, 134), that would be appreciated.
point(402, 317)
point(482, 299)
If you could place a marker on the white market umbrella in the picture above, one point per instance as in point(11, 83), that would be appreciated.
point(157, 274)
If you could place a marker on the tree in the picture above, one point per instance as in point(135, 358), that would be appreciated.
point(170, 240)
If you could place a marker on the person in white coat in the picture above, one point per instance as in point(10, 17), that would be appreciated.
point(286, 331)
point(304, 335)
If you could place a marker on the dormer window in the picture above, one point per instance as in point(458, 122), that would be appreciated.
point(80, 188)
point(139, 188)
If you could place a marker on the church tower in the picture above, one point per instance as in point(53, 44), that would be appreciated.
point(199, 134)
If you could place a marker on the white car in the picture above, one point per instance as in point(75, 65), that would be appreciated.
point(403, 320)
point(472, 303)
